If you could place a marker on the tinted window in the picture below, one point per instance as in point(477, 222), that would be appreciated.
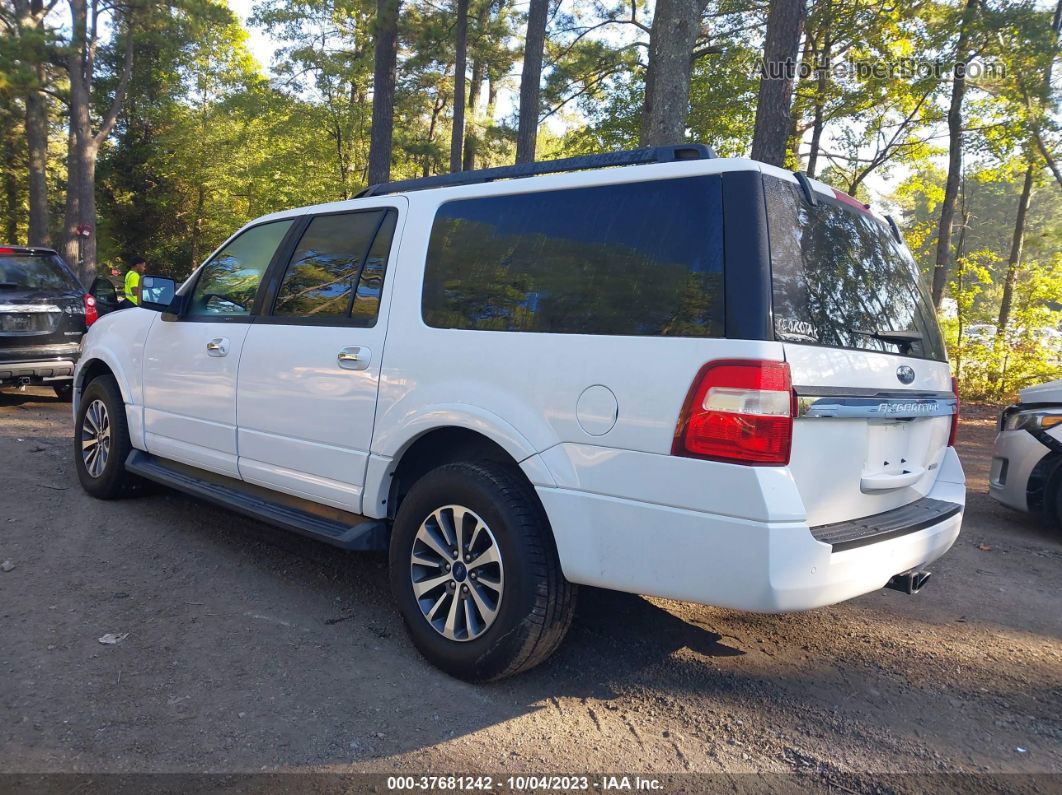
point(46, 273)
point(367, 295)
point(639, 259)
point(229, 282)
point(839, 277)
point(325, 267)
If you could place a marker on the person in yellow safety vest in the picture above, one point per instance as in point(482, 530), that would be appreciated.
point(131, 296)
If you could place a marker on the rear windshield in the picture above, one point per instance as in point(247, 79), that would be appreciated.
point(840, 278)
point(30, 272)
point(641, 259)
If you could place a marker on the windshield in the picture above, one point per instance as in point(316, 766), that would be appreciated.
point(841, 279)
point(31, 272)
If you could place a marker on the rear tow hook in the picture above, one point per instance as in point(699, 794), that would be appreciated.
point(909, 582)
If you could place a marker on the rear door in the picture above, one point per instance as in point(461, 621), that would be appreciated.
point(42, 313)
point(874, 395)
point(191, 363)
point(310, 369)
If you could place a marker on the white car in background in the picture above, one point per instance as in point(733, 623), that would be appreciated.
point(981, 333)
point(1027, 459)
point(657, 371)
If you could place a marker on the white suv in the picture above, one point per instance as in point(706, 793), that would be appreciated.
point(685, 376)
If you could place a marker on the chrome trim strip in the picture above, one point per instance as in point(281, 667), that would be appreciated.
point(838, 391)
point(24, 308)
point(881, 407)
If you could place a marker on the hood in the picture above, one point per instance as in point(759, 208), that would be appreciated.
point(1051, 392)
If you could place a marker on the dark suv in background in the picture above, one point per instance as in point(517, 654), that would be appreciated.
point(44, 311)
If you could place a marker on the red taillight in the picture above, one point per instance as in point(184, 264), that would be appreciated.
point(91, 313)
point(954, 417)
point(5, 250)
point(738, 410)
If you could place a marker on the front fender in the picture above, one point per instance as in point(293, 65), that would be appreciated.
point(118, 340)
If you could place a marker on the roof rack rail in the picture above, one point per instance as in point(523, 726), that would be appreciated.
point(654, 154)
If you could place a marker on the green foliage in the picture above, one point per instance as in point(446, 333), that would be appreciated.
point(993, 366)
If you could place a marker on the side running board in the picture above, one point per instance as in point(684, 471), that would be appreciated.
point(366, 535)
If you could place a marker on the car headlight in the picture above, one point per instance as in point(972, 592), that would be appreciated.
point(1033, 420)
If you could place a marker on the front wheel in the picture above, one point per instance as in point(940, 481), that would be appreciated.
point(101, 440)
point(475, 572)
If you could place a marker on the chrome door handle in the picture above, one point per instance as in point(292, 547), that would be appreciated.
point(354, 358)
point(218, 346)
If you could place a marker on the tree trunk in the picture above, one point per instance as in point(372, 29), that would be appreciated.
point(383, 92)
point(84, 144)
point(30, 30)
point(72, 215)
point(666, 106)
point(475, 88)
point(1046, 105)
point(1016, 244)
point(785, 22)
point(197, 223)
point(822, 88)
point(951, 187)
point(530, 81)
point(436, 109)
point(808, 59)
point(11, 187)
point(37, 149)
point(82, 159)
point(457, 131)
point(492, 94)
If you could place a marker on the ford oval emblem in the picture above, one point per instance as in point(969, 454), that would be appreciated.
point(905, 374)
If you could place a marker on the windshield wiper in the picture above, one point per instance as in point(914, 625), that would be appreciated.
point(902, 339)
point(9, 286)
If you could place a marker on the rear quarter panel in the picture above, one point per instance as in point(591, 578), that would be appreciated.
point(532, 382)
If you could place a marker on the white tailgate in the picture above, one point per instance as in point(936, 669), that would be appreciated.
point(847, 467)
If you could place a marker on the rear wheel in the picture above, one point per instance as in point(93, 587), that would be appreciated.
point(64, 391)
point(101, 440)
point(475, 572)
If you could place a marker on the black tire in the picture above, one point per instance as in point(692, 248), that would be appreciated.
point(64, 391)
point(112, 481)
point(1054, 498)
point(537, 602)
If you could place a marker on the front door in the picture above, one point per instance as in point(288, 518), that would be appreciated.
point(310, 367)
point(191, 362)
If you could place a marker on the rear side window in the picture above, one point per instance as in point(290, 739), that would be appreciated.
point(641, 259)
point(840, 278)
point(327, 263)
point(35, 272)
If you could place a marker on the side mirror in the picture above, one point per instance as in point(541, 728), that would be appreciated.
point(156, 293)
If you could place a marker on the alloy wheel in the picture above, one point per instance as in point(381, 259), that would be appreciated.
point(457, 574)
point(96, 438)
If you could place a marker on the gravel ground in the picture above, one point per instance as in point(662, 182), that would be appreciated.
point(246, 649)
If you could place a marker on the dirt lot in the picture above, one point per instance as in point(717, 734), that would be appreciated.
point(252, 650)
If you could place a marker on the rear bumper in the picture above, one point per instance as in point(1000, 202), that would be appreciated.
point(713, 559)
point(37, 372)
